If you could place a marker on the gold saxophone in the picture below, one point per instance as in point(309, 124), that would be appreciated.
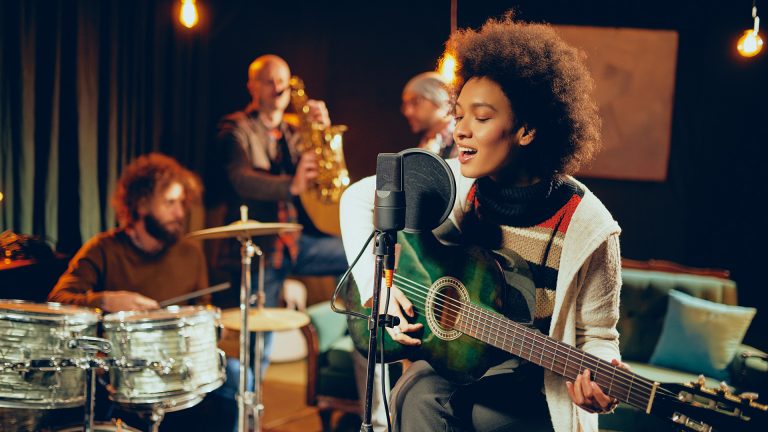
point(322, 200)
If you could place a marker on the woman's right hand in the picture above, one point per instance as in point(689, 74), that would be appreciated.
point(398, 305)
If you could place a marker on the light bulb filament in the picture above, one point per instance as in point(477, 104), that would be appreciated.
point(188, 16)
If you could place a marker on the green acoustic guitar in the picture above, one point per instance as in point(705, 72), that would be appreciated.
point(475, 317)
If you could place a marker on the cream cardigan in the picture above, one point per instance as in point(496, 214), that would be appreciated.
point(588, 282)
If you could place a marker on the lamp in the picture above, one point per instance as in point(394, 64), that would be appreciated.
point(447, 67)
point(447, 63)
point(188, 16)
point(750, 43)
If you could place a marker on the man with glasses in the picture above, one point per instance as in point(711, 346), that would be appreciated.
point(427, 107)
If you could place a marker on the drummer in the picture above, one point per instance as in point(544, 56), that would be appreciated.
point(145, 260)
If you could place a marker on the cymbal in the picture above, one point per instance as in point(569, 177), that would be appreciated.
point(250, 228)
point(266, 319)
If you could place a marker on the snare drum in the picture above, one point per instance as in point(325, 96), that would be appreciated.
point(38, 369)
point(167, 356)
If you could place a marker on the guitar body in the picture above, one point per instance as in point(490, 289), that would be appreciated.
point(434, 269)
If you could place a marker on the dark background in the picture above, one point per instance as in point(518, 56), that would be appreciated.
point(357, 56)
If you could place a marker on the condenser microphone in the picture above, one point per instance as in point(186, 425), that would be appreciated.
point(389, 204)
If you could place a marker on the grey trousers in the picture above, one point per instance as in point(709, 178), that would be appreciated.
point(509, 400)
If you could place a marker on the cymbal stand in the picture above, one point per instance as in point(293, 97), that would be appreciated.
point(249, 404)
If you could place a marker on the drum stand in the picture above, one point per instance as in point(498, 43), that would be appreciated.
point(249, 404)
point(91, 346)
point(154, 417)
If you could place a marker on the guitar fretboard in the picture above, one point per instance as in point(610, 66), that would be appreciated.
point(558, 357)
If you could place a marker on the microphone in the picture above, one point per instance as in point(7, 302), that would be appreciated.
point(389, 204)
point(389, 207)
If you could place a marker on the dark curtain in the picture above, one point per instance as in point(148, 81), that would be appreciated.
point(85, 87)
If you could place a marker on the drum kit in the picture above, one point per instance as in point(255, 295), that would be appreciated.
point(158, 361)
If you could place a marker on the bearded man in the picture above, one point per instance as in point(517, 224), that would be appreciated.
point(145, 260)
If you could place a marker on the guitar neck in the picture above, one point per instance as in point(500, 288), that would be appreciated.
point(553, 355)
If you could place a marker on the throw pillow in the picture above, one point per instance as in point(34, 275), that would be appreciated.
point(701, 336)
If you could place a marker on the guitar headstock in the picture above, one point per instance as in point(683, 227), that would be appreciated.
point(695, 407)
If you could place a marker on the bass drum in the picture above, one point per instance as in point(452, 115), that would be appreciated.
point(113, 426)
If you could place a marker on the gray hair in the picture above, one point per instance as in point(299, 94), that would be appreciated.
point(430, 86)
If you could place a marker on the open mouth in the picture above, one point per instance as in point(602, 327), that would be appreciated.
point(466, 153)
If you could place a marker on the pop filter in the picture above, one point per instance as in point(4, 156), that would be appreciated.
point(430, 190)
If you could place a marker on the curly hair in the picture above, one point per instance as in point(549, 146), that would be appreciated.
point(145, 176)
point(546, 82)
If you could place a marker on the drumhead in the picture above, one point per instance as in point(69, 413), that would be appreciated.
point(190, 314)
point(23, 311)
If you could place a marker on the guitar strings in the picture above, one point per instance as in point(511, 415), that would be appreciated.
point(476, 313)
point(473, 315)
point(517, 328)
point(596, 362)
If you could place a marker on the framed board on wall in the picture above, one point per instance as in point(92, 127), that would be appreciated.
point(634, 74)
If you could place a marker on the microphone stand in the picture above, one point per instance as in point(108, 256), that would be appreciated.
point(384, 250)
point(388, 218)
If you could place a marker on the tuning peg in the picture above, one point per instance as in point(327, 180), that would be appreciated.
point(749, 396)
point(701, 381)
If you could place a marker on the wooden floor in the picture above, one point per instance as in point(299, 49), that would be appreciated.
point(285, 408)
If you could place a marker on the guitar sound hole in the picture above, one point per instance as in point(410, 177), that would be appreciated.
point(447, 307)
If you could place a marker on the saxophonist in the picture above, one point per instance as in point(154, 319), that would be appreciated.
point(260, 166)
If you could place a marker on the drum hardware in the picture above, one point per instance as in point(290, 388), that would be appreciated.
point(162, 367)
point(249, 403)
point(91, 346)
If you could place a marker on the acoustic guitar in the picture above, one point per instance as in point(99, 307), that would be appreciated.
point(474, 317)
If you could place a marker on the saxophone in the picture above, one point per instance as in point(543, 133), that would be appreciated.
point(322, 201)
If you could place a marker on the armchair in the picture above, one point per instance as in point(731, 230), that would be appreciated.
point(331, 367)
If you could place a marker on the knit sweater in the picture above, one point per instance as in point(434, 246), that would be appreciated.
point(586, 304)
point(111, 262)
point(529, 222)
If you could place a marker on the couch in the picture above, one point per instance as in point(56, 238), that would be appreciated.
point(644, 300)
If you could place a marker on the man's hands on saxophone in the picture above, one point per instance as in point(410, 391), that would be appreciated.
point(318, 112)
point(307, 168)
point(306, 173)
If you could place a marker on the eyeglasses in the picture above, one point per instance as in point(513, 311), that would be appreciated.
point(411, 102)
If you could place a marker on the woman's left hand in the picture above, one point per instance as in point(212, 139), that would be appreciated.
point(587, 395)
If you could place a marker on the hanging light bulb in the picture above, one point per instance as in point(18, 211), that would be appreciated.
point(447, 67)
point(188, 15)
point(750, 44)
